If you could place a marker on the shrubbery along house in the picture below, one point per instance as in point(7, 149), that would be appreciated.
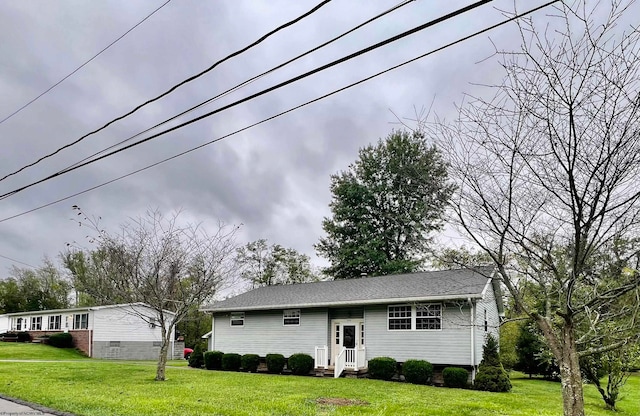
point(440, 316)
point(127, 331)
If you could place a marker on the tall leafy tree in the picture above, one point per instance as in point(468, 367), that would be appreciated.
point(262, 264)
point(385, 207)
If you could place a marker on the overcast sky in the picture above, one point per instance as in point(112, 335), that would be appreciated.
point(274, 178)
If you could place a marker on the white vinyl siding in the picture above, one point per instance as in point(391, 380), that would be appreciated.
point(486, 305)
point(264, 333)
point(124, 324)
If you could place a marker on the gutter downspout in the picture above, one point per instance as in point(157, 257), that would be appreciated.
point(473, 339)
point(212, 342)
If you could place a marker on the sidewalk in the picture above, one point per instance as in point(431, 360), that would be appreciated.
point(20, 408)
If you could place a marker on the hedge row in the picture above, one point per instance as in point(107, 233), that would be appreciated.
point(416, 372)
point(299, 364)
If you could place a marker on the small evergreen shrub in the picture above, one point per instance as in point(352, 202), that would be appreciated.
point(61, 340)
point(231, 362)
point(492, 379)
point(300, 364)
point(196, 359)
point(275, 363)
point(417, 371)
point(213, 360)
point(24, 337)
point(455, 377)
point(250, 362)
point(382, 368)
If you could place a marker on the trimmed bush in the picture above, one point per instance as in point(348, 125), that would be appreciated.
point(417, 371)
point(231, 362)
point(61, 340)
point(455, 377)
point(213, 360)
point(492, 379)
point(382, 368)
point(196, 359)
point(250, 362)
point(275, 363)
point(23, 337)
point(300, 364)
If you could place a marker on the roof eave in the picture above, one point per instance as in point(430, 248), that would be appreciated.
point(345, 303)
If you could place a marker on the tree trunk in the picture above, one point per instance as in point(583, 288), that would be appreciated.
point(162, 359)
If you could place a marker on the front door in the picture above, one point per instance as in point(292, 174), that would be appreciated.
point(347, 334)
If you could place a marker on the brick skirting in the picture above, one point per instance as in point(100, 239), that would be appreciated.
point(81, 338)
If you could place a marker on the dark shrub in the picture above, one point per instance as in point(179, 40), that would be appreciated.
point(213, 360)
point(196, 359)
point(492, 379)
point(250, 362)
point(382, 368)
point(300, 364)
point(231, 362)
point(455, 377)
point(61, 340)
point(417, 371)
point(275, 363)
point(23, 337)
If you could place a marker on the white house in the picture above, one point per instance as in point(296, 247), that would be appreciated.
point(126, 331)
point(442, 317)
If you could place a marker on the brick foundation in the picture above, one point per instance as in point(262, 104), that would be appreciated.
point(81, 338)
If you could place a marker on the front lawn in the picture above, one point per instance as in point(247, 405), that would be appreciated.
point(29, 351)
point(97, 387)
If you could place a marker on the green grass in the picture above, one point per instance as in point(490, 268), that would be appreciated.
point(28, 351)
point(100, 387)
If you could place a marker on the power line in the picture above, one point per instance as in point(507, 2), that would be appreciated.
point(170, 90)
point(18, 261)
point(250, 80)
point(515, 17)
point(82, 66)
point(260, 93)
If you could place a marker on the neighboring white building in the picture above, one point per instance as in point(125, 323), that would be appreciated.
point(126, 331)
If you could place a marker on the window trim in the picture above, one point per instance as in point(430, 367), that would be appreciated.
point(239, 317)
point(414, 317)
point(52, 322)
point(438, 317)
point(294, 314)
point(390, 318)
point(80, 326)
point(36, 323)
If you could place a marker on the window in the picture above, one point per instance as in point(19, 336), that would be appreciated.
point(157, 343)
point(429, 316)
point(338, 334)
point(291, 317)
point(81, 321)
point(55, 321)
point(486, 322)
point(237, 319)
point(36, 323)
point(361, 334)
point(399, 317)
point(19, 324)
point(418, 317)
point(115, 344)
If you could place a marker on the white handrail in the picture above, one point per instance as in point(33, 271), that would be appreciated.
point(340, 363)
point(322, 357)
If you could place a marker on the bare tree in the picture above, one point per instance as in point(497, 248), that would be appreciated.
point(548, 175)
point(167, 266)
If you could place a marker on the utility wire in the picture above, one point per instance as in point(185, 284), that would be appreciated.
point(169, 91)
point(515, 17)
point(250, 80)
point(18, 261)
point(260, 93)
point(82, 66)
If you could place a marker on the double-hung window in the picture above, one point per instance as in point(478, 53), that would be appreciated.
point(36, 323)
point(415, 317)
point(55, 322)
point(81, 321)
point(237, 319)
point(291, 317)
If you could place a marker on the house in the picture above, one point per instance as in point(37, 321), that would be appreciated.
point(440, 316)
point(126, 331)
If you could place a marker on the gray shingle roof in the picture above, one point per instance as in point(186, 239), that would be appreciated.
point(423, 286)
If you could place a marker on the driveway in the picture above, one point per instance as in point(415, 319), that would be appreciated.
point(15, 407)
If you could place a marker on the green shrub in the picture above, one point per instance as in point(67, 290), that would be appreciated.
point(231, 362)
point(250, 362)
point(213, 360)
point(455, 377)
point(382, 368)
point(196, 359)
point(417, 371)
point(300, 364)
point(275, 363)
point(24, 337)
point(61, 340)
point(490, 378)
